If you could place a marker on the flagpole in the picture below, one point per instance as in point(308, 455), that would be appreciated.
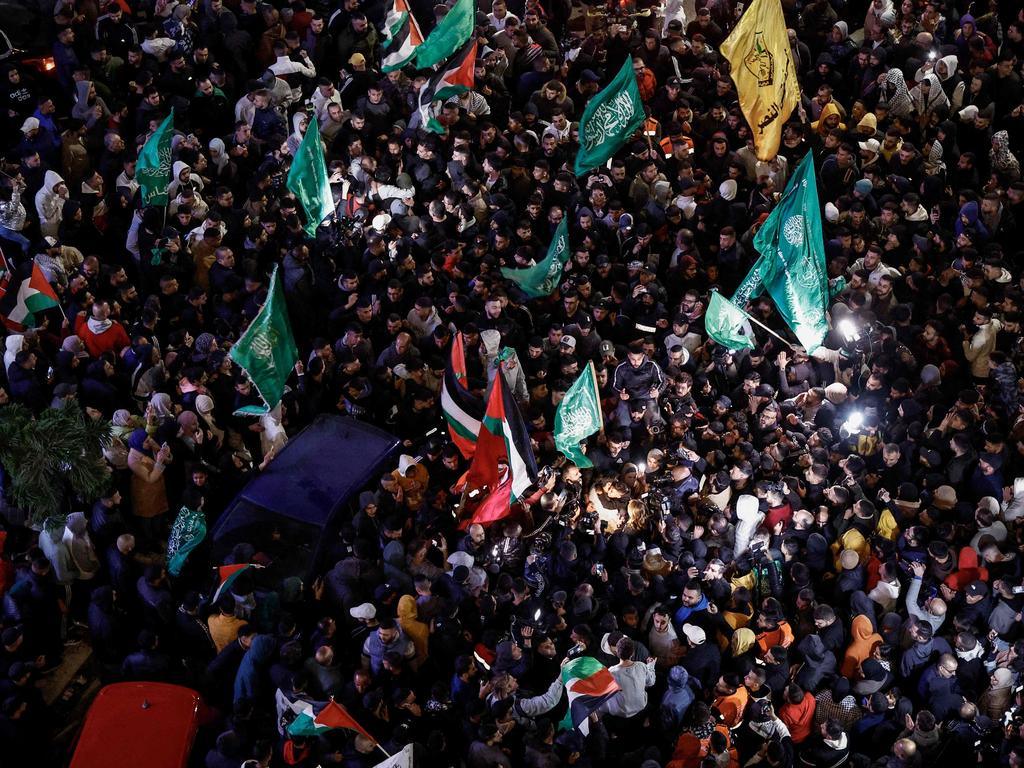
point(597, 394)
point(386, 753)
point(773, 333)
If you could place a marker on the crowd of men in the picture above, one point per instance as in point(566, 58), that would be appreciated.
point(784, 559)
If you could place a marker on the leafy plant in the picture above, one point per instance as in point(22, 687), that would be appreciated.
point(53, 458)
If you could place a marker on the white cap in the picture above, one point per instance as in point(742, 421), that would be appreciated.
point(694, 634)
point(871, 145)
point(969, 112)
point(30, 124)
point(365, 611)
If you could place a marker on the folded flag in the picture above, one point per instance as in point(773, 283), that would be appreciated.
point(23, 299)
point(727, 324)
point(187, 533)
point(463, 411)
point(588, 684)
point(330, 718)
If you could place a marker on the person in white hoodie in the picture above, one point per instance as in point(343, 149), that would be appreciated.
point(50, 203)
point(749, 516)
point(633, 677)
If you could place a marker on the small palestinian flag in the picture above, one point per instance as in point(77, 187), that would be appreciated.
point(455, 77)
point(588, 684)
point(330, 718)
point(22, 302)
point(227, 575)
point(463, 410)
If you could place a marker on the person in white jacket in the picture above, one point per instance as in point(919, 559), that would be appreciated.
point(749, 517)
point(50, 203)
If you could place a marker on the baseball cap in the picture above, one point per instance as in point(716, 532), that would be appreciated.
point(364, 611)
point(871, 145)
point(607, 348)
point(694, 634)
point(455, 559)
point(569, 341)
point(356, 59)
point(977, 588)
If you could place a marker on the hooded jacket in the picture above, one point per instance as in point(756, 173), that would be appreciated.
point(819, 664)
point(50, 205)
point(677, 699)
point(251, 670)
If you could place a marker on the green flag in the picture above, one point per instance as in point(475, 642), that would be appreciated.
point(727, 324)
point(578, 417)
point(609, 119)
point(267, 348)
point(791, 268)
point(308, 179)
point(187, 533)
point(448, 36)
point(541, 279)
point(153, 167)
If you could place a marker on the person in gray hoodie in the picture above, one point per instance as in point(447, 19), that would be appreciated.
point(676, 700)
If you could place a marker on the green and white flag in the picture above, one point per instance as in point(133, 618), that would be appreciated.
point(727, 324)
point(609, 119)
point(541, 279)
point(187, 533)
point(448, 36)
point(578, 417)
point(307, 179)
point(791, 268)
point(267, 349)
point(153, 167)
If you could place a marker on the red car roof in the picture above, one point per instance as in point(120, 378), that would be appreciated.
point(150, 724)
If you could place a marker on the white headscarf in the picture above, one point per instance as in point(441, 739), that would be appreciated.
point(220, 159)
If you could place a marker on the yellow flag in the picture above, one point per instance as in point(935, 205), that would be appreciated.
point(762, 68)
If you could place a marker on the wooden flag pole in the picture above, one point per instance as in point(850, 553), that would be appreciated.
point(773, 333)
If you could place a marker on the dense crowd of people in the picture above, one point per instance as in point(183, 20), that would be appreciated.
point(784, 559)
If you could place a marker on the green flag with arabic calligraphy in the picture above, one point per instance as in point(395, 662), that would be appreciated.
point(609, 119)
point(578, 417)
point(153, 167)
point(791, 268)
point(267, 349)
point(541, 279)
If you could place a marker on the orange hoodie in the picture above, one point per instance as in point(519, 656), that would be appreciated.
point(799, 718)
point(967, 570)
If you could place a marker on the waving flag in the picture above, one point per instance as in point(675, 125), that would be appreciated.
point(504, 440)
point(153, 168)
point(307, 179)
point(762, 68)
point(455, 77)
point(402, 37)
point(447, 37)
point(267, 349)
point(227, 575)
point(541, 279)
point(588, 684)
point(727, 324)
point(23, 301)
point(609, 119)
point(463, 410)
point(331, 718)
point(791, 268)
point(578, 417)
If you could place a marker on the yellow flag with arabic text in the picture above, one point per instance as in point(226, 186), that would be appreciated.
point(762, 68)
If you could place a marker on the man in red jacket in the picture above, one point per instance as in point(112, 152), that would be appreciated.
point(99, 333)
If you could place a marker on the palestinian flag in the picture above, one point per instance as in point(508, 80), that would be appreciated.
point(228, 575)
point(588, 684)
point(330, 718)
point(503, 440)
point(403, 39)
point(463, 410)
point(455, 77)
point(23, 300)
